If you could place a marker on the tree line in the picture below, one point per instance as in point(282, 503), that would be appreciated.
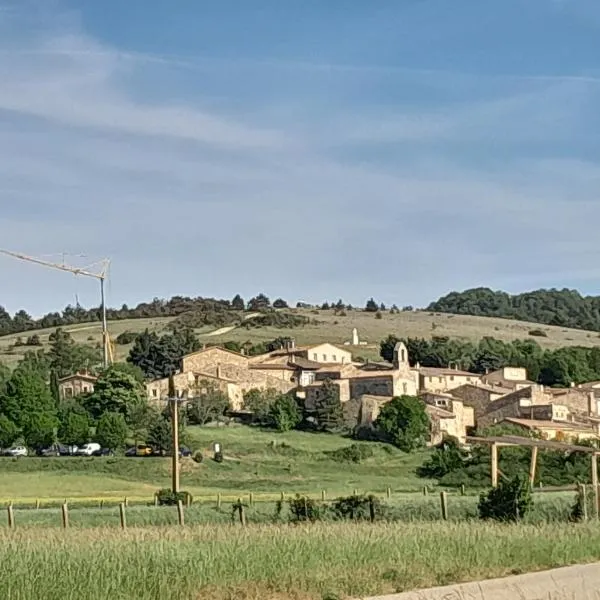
point(559, 367)
point(564, 308)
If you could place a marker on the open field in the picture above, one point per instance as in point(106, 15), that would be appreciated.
point(337, 329)
point(297, 462)
point(316, 562)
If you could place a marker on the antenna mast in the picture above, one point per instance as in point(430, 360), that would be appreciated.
point(99, 275)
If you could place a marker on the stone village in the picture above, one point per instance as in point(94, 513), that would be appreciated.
point(456, 401)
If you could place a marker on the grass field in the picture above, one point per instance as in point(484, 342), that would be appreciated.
point(315, 562)
point(255, 461)
point(336, 329)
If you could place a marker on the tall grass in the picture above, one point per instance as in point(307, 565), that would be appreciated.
point(282, 562)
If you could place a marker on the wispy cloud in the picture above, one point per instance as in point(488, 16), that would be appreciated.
point(317, 187)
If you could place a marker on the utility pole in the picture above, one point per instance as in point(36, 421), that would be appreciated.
point(173, 401)
point(100, 276)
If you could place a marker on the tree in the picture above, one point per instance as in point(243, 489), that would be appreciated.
point(238, 303)
point(40, 428)
point(9, 432)
point(74, 428)
point(371, 306)
point(66, 357)
point(280, 303)
point(284, 414)
point(386, 347)
point(509, 501)
point(158, 356)
point(404, 421)
point(260, 302)
point(159, 433)
point(259, 403)
point(208, 403)
point(115, 391)
point(112, 430)
point(328, 408)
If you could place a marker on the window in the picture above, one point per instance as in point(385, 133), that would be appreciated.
point(324, 357)
point(440, 379)
point(86, 388)
point(315, 356)
point(69, 392)
point(451, 377)
point(402, 355)
point(334, 358)
point(404, 388)
point(154, 393)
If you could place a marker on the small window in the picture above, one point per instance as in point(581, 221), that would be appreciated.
point(334, 358)
point(324, 357)
point(154, 393)
point(86, 388)
point(315, 356)
point(451, 377)
point(69, 392)
point(441, 379)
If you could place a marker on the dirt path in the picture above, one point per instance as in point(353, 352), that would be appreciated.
point(224, 330)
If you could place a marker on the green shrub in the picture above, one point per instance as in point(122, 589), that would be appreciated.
point(127, 337)
point(357, 508)
point(538, 333)
point(510, 501)
point(355, 453)
point(303, 508)
point(167, 497)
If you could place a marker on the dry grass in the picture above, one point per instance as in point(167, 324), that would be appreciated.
point(277, 562)
point(338, 329)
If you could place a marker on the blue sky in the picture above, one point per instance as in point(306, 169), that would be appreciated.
point(311, 150)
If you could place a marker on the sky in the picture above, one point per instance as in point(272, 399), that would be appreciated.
point(311, 150)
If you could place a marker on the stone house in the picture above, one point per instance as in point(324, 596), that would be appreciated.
point(443, 380)
point(512, 405)
point(478, 396)
point(75, 385)
point(555, 430)
point(513, 378)
point(321, 353)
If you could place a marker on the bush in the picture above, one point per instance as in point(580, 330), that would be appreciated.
point(127, 337)
point(355, 453)
point(357, 508)
point(538, 333)
point(303, 508)
point(510, 501)
point(167, 497)
point(577, 513)
point(197, 457)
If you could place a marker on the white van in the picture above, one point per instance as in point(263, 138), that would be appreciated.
point(88, 449)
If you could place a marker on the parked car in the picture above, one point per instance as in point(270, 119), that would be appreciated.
point(16, 451)
point(89, 449)
point(139, 450)
point(58, 450)
point(103, 452)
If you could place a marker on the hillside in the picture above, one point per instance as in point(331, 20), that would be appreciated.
point(563, 308)
point(334, 328)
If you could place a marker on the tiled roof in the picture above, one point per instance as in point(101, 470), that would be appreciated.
point(435, 372)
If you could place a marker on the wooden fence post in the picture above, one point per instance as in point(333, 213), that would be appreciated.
point(155, 499)
point(11, 516)
point(462, 489)
point(283, 496)
point(251, 499)
point(218, 500)
point(323, 496)
point(122, 515)
point(425, 490)
point(356, 492)
point(389, 493)
point(180, 517)
point(37, 504)
point(188, 500)
point(65, 515)
point(583, 501)
point(101, 504)
point(371, 509)
point(444, 503)
point(241, 513)
point(125, 502)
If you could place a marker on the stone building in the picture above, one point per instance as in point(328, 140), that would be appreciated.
point(75, 385)
point(556, 430)
point(513, 378)
point(478, 396)
point(443, 380)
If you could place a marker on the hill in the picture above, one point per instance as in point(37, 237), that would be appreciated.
point(325, 325)
point(563, 308)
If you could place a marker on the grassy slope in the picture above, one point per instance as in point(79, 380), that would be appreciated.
point(305, 562)
point(338, 330)
point(251, 465)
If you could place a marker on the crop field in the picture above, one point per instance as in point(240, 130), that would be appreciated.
point(278, 562)
point(333, 328)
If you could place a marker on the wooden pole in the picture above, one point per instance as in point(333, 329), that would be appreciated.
point(11, 516)
point(122, 515)
point(462, 489)
point(180, 516)
point(101, 503)
point(125, 502)
point(175, 454)
point(583, 501)
point(218, 500)
point(494, 465)
point(389, 493)
point(241, 513)
point(282, 496)
point(188, 500)
point(532, 466)
point(371, 509)
point(155, 499)
point(251, 499)
point(444, 503)
point(425, 490)
point(65, 515)
point(37, 504)
point(595, 485)
point(323, 495)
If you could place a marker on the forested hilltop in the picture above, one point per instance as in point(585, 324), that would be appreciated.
point(564, 308)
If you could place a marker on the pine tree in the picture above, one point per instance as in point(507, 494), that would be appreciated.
point(328, 408)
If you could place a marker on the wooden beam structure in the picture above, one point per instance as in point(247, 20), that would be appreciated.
point(532, 466)
point(494, 465)
point(595, 485)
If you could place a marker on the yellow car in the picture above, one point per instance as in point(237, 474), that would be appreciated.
point(140, 450)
